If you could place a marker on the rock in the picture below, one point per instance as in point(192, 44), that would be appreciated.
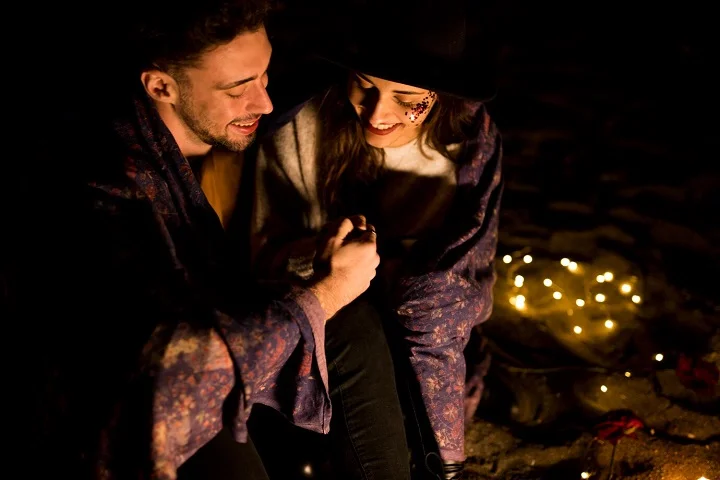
point(664, 192)
point(639, 396)
point(672, 388)
point(666, 234)
point(496, 454)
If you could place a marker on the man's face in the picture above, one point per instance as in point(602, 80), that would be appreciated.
point(222, 99)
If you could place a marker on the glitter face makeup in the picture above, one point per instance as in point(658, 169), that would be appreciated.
point(421, 107)
point(390, 113)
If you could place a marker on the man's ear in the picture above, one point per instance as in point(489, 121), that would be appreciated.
point(160, 86)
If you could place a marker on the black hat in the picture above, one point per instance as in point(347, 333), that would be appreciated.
point(423, 43)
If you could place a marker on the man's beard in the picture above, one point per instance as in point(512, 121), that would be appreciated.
point(200, 126)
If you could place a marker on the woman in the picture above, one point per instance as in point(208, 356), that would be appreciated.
point(402, 138)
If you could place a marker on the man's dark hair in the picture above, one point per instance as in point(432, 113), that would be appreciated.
point(172, 36)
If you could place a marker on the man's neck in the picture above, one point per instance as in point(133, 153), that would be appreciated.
point(189, 144)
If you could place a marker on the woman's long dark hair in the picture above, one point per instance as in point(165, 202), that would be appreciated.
point(348, 164)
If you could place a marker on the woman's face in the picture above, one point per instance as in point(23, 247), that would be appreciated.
point(391, 113)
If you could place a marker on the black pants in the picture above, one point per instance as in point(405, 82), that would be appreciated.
point(367, 436)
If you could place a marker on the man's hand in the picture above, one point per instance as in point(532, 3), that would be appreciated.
point(345, 263)
point(330, 229)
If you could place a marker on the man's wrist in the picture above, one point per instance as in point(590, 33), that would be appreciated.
point(327, 299)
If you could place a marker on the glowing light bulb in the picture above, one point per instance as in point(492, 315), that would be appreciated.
point(609, 276)
point(603, 388)
point(577, 329)
point(625, 288)
point(579, 302)
point(547, 282)
point(520, 302)
point(565, 262)
point(307, 470)
point(584, 475)
point(609, 323)
point(600, 278)
point(527, 259)
point(636, 298)
point(557, 295)
point(659, 357)
point(628, 374)
point(600, 297)
point(572, 266)
point(507, 259)
point(519, 280)
point(702, 478)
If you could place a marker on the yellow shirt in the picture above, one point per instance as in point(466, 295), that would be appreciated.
point(220, 175)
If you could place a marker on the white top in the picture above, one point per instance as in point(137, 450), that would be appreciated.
point(416, 189)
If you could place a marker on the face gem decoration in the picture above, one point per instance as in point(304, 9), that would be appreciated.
point(421, 107)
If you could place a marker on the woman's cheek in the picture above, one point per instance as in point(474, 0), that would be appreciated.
point(418, 112)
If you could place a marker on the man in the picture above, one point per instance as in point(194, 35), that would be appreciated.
point(165, 349)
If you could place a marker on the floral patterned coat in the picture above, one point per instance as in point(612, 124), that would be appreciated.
point(177, 347)
point(447, 285)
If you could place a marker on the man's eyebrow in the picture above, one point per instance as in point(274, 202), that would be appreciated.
point(230, 85)
point(401, 92)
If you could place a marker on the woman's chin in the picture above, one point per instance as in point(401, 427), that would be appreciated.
point(379, 141)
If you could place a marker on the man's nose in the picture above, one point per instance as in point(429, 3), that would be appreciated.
point(259, 102)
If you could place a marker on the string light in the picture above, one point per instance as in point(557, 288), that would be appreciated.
point(518, 302)
point(598, 300)
point(520, 281)
point(583, 302)
point(307, 470)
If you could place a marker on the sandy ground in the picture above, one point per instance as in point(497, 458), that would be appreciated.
point(602, 170)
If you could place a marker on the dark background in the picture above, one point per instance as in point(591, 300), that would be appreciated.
point(608, 112)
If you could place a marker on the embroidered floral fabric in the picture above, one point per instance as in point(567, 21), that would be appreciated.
point(212, 351)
